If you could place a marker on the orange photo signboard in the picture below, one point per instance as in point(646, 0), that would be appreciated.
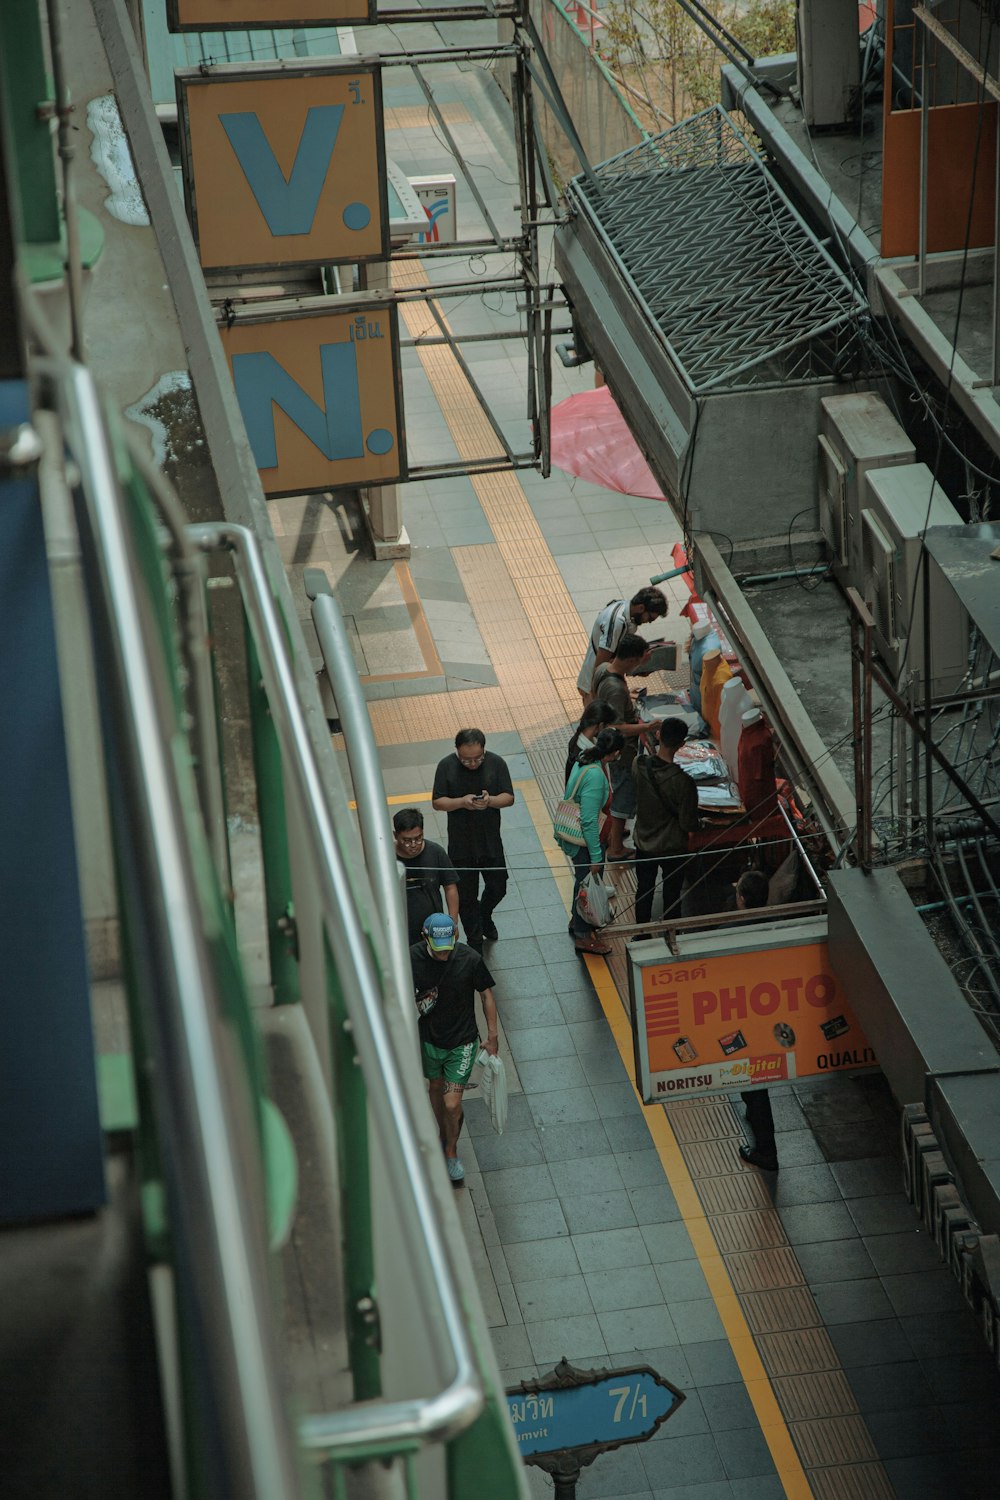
point(742, 1020)
point(284, 165)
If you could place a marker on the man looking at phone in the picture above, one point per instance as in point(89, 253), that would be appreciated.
point(472, 786)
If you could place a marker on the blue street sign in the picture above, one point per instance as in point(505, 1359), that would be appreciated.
point(623, 1406)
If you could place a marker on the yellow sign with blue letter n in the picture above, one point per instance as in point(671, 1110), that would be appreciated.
point(320, 396)
point(284, 164)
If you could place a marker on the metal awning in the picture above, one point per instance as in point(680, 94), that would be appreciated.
point(723, 265)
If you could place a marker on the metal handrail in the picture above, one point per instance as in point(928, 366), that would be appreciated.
point(369, 788)
point(209, 1189)
point(368, 1428)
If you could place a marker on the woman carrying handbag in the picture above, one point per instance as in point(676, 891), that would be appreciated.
point(577, 827)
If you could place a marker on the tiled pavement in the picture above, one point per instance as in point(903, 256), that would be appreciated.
point(822, 1346)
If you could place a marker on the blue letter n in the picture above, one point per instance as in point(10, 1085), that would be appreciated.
point(289, 206)
point(334, 427)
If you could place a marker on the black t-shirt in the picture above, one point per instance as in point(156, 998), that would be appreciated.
point(473, 836)
point(426, 873)
point(452, 1022)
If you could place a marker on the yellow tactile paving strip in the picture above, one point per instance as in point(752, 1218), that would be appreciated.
point(818, 1440)
point(413, 116)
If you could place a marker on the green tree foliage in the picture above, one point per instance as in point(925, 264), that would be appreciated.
point(667, 65)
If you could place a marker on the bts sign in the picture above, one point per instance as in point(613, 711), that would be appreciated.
point(741, 1008)
point(284, 165)
point(320, 396)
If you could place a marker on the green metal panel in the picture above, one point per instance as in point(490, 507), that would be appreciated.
point(278, 904)
point(351, 1127)
point(25, 87)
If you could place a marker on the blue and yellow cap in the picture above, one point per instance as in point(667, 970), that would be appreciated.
point(440, 932)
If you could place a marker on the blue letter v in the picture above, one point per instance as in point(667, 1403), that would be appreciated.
point(288, 206)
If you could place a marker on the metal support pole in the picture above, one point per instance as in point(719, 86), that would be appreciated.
point(856, 726)
point(929, 745)
point(64, 115)
point(995, 370)
point(924, 132)
point(866, 753)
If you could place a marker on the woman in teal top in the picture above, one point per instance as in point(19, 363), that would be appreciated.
point(588, 785)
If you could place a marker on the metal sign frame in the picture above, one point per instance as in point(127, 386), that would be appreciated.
point(355, 13)
point(187, 79)
point(359, 309)
point(565, 1463)
point(779, 1067)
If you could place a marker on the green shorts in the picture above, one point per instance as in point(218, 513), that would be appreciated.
point(453, 1064)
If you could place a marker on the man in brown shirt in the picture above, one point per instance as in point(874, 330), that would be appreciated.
point(666, 812)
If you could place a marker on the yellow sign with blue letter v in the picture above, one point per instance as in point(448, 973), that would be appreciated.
point(284, 164)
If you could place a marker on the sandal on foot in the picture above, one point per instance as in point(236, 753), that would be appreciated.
point(591, 945)
point(619, 859)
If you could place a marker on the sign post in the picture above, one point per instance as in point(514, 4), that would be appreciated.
point(567, 1419)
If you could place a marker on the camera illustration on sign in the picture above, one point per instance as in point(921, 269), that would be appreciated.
point(284, 165)
point(320, 396)
point(742, 1008)
point(224, 15)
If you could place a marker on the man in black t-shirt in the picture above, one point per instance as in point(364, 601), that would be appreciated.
point(429, 871)
point(472, 786)
point(446, 976)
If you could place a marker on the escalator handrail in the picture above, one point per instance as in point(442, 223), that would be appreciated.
point(210, 1195)
point(380, 1426)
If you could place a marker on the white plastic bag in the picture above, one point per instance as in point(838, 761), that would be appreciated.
point(494, 1086)
point(592, 902)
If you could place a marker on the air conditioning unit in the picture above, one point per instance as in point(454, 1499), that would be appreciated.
point(858, 433)
point(833, 504)
point(829, 61)
point(900, 504)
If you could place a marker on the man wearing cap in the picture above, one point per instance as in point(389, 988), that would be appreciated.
point(446, 976)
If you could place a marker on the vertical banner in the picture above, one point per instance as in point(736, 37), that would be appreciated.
point(320, 396)
point(740, 1007)
point(224, 15)
point(284, 165)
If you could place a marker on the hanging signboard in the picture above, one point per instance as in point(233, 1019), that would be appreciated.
point(284, 164)
point(565, 1420)
point(740, 1007)
point(320, 394)
point(243, 15)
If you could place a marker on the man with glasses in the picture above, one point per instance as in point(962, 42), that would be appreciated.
point(618, 618)
point(429, 872)
point(472, 786)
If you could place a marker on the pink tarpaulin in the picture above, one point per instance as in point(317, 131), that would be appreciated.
point(591, 440)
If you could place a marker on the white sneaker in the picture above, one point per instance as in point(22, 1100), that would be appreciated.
point(455, 1170)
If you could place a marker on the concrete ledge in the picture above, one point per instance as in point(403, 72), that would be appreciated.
point(914, 1014)
point(964, 1114)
